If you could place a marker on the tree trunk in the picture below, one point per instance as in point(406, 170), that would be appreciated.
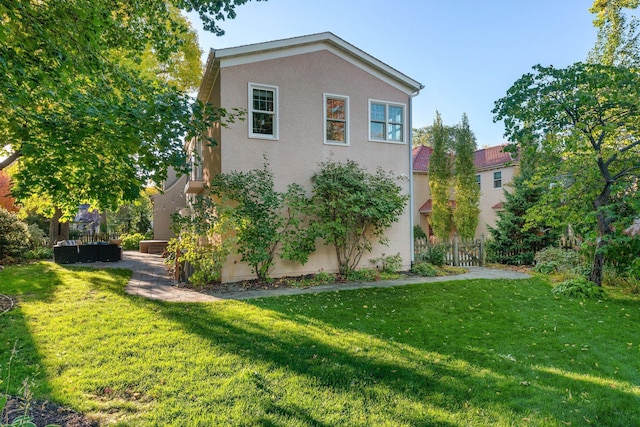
point(598, 264)
point(604, 231)
point(57, 230)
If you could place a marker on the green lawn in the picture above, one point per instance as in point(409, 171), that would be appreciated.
point(475, 353)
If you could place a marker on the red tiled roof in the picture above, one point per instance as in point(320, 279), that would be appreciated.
point(498, 206)
point(483, 158)
point(421, 156)
point(491, 156)
point(427, 206)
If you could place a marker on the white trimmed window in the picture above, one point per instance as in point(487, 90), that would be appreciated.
point(336, 119)
point(386, 121)
point(497, 179)
point(263, 111)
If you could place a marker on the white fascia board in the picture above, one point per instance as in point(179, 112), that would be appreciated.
point(306, 44)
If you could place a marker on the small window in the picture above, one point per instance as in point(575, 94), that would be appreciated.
point(478, 180)
point(336, 119)
point(386, 122)
point(497, 179)
point(263, 111)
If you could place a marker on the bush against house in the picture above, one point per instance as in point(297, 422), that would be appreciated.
point(198, 242)
point(266, 223)
point(351, 208)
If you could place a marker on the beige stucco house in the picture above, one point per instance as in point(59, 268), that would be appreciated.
point(494, 169)
point(166, 203)
point(308, 99)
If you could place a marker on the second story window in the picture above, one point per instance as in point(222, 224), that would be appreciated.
point(497, 179)
point(336, 119)
point(263, 111)
point(386, 121)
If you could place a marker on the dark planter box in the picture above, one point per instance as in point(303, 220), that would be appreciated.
point(89, 253)
point(65, 254)
point(110, 253)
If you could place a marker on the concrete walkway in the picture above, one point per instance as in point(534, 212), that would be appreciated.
point(150, 279)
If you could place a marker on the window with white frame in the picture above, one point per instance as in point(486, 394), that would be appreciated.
point(336, 119)
point(497, 179)
point(263, 111)
point(386, 121)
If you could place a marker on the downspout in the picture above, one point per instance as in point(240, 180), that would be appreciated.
point(411, 215)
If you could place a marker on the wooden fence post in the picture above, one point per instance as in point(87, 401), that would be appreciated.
point(456, 254)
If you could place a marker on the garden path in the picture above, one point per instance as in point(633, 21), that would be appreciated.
point(150, 279)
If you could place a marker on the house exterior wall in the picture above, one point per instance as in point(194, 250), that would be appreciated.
point(490, 196)
point(302, 80)
point(421, 193)
point(170, 201)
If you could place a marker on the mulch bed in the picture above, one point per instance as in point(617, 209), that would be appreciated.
point(44, 413)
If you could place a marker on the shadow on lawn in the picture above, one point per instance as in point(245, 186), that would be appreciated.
point(287, 346)
point(478, 378)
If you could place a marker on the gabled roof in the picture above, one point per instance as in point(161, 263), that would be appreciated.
point(427, 206)
point(305, 44)
point(484, 158)
point(421, 156)
point(491, 156)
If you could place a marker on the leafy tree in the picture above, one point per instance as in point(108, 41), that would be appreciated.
point(589, 116)
point(93, 97)
point(7, 201)
point(134, 217)
point(440, 178)
point(265, 221)
point(351, 207)
point(515, 239)
point(618, 37)
point(424, 135)
point(467, 192)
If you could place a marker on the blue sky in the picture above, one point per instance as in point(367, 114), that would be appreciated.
point(466, 53)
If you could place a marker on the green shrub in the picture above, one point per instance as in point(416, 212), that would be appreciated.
point(418, 232)
point(363, 275)
point(435, 255)
point(388, 264)
point(131, 241)
point(551, 260)
point(37, 238)
point(579, 288)
point(14, 236)
point(39, 253)
point(424, 269)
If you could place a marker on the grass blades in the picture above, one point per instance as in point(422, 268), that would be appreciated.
point(472, 353)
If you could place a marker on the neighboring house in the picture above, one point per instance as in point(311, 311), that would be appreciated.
point(171, 200)
point(309, 99)
point(494, 169)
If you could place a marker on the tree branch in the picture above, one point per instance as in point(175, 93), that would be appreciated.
point(9, 160)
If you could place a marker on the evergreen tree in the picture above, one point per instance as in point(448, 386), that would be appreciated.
point(514, 239)
point(440, 180)
point(465, 214)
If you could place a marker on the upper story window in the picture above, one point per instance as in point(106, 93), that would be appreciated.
point(386, 121)
point(263, 111)
point(336, 119)
point(478, 181)
point(497, 179)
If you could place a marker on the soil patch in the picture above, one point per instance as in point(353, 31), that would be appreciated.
point(6, 303)
point(44, 413)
